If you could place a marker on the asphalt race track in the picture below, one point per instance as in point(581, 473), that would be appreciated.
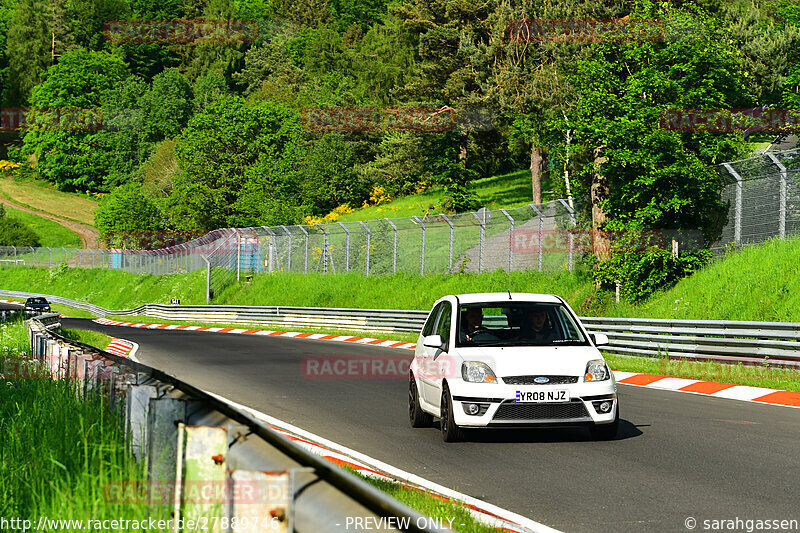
point(679, 455)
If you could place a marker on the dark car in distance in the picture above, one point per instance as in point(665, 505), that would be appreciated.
point(36, 306)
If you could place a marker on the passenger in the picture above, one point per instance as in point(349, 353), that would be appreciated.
point(536, 327)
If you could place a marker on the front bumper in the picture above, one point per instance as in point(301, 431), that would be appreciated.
point(500, 408)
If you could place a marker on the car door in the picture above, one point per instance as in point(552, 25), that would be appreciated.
point(436, 364)
point(424, 354)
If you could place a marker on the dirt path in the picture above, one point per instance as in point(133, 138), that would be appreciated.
point(89, 236)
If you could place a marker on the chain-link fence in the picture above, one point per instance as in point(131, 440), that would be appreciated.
point(763, 196)
point(538, 237)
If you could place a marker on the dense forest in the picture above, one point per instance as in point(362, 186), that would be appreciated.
point(207, 132)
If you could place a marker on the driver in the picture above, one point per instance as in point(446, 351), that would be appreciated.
point(471, 322)
point(472, 328)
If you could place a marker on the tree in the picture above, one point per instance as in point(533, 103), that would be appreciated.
point(27, 48)
point(127, 209)
point(232, 159)
point(66, 149)
point(15, 233)
point(329, 177)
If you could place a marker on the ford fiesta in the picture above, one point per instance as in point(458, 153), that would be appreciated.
point(510, 360)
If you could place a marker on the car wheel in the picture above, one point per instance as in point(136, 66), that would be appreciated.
point(606, 431)
point(418, 417)
point(450, 431)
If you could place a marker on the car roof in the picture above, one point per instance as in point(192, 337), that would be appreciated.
point(503, 297)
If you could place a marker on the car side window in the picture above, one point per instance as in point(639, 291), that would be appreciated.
point(427, 329)
point(443, 324)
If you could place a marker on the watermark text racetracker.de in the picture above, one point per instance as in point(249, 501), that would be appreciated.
point(373, 367)
point(145, 524)
point(740, 524)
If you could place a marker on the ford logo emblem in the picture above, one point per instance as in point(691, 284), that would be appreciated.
point(541, 380)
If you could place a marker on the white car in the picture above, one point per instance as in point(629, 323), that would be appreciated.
point(510, 360)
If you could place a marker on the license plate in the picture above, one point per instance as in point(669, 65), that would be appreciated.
point(543, 396)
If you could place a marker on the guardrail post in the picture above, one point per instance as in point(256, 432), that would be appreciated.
point(422, 246)
point(204, 464)
point(162, 438)
point(737, 227)
point(781, 196)
point(369, 245)
point(394, 245)
point(136, 411)
point(272, 496)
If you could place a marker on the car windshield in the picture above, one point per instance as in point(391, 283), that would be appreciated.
point(37, 301)
point(517, 324)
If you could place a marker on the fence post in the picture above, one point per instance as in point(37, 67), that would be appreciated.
point(65, 254)
point(51, 257)
point(482, 224)
point(208, 278)
point(781, 197)
point(422, 246)
point(346, 247)
point(289, 257)
point(305, 256)
point(737, 228)
point(510, 240)
point(571, 235)
point(15, 255)
point(272, 248)
point(369, 235)
point(394, 246)
point(450, 247)
point(238, 257)
point(33, 251)
point(541, 232)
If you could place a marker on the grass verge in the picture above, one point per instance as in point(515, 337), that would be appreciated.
point(44, 197)
point(51, 234)
point(450, 512)
point(751, 375)
point(92, 338)
point(59, 453)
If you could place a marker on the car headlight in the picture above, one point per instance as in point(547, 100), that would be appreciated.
point(477, 372)
point(596, 370)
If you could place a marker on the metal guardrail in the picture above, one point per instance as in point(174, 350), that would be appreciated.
point(717, 340)
point(216, 442)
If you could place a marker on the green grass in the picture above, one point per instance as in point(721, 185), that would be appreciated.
point(51, 234)
point(44, 197)
point(92, 338)
point(58, 452)
point(751, 375)
point(506, 191)
point(430, 505)
point(759, 283)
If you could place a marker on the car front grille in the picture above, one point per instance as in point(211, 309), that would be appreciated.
point(529, 380)
point(541, 411)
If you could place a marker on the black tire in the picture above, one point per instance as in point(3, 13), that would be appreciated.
point(417, 417)
point(606, 431)
point(450, 430)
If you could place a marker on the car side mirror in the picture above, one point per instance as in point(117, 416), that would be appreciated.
point(433, 341)
point(600, 339)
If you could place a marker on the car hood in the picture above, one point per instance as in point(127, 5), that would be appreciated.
point(538, 360)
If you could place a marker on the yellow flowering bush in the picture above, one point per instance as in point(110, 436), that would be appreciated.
point(8, 166)
point(333, 216)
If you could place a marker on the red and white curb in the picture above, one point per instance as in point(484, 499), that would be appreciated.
point(710, 388)
point(316, 336)
point(10, 302)
point(122, 347)
point(484, 512)
point(692, 386)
